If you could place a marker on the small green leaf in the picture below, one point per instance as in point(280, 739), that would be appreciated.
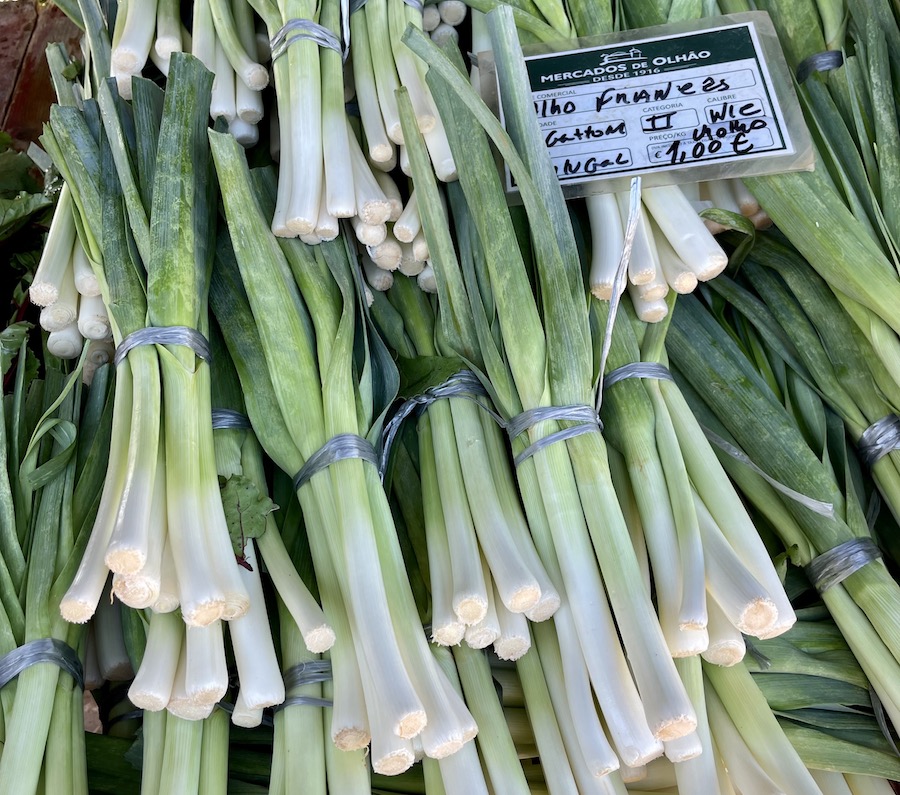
point(11, 339)
point(245, 510)
point(739, 224)
point(15, 212)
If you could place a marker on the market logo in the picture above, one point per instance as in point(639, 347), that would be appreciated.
point(621, 56)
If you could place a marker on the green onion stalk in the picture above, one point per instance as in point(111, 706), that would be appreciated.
point(313, 388)
point(549, 363)
point(55, 439)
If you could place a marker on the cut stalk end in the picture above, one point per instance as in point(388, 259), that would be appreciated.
point(320, 639)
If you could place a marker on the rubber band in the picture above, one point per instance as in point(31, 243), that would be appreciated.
point(882, 719)
point(652, 370)
point(879, 439)
point(303, 701)
point(338, 448)
point(228, 419)
point(464, 384)
point(415, 5)
point(820, 507)
point(306, 673)
point(819, 62)
point(587, 418)
point(43, 650)
point(836, 565)
point(759, 658)
point(305, 29)
point(164, 335)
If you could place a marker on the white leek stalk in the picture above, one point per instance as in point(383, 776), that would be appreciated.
point(487, 630)
point(65, 343)
point(685, 230)
point(607, 241)
point(446, 628)
point(244, 716)
point(378, 279)
point(154, 680)
point(431, 18)
point(676, 273)
point(391, 193)
point(426, 280)
point(222, 102)
point(726, 643)
point(130, 53)
point(168, 582)
point(253, 75)
point(93, 320)
point(380, 146)
point(452, 12)
point(57, 253)
point(470, 592)
point(254, 652)
point(85, 279)
point(64, 311)
point(168, 29)
point(570, 690)
point(206, 672)
point(408, 224)
point(372, 206)
point(420, 248)
point(386, 254)
point(245, 133)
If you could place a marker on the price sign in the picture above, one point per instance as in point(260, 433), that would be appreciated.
point(670, 105)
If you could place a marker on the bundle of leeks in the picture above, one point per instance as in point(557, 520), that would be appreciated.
point(316, 384)
point(537, 356)
point(55, 439)
point(485, 574)
point(740, 388)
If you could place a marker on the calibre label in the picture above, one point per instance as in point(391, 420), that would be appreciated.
point(656, 104)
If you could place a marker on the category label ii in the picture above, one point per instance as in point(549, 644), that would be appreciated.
point(657, 104)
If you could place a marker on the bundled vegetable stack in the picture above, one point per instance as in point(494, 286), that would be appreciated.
point(609, 559)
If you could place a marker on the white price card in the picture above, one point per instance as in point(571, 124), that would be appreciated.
point(670, 104)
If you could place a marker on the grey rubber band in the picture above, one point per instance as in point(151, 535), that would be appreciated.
point(228, 419)
point(416, 5)
point(164, 335)
point(761, 660)
point(338, 448)
point(820, 62)
point(464, 384)
point(303, 701)
point(879, 439)
point(882, 720)
point(43, 650)
point(307, 673)
point(652, 370)
point(588, 419)
point(304, 29)
point(816, 506)
point(836, 565)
